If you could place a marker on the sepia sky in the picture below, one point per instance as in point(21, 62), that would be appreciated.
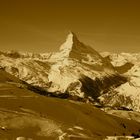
point(42, 25)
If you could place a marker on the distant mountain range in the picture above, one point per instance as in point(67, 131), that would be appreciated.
point(78, 72)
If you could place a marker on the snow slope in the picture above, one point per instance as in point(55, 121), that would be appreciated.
point(129, 92)
point(32, 71)
point(28, 115)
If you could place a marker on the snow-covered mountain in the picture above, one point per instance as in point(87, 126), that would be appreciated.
point(64, 71)
point(29, 69)
point(129, 65)
point(80, 72)
point(74, 61)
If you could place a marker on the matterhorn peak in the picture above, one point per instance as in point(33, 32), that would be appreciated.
point(73, 48)
point(70, 41)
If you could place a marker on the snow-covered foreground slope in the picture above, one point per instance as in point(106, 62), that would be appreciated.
point(24, 114)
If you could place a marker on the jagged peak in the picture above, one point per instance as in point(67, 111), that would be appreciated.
point(73, 36)
point(73, 48)
point(70, 40)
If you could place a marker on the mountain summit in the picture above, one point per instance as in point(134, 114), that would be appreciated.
point(70, 41)
point(73, 48)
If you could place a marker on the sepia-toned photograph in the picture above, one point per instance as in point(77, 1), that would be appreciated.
point(69, 69)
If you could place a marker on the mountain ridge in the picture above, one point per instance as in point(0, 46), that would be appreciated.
point(73, 67)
